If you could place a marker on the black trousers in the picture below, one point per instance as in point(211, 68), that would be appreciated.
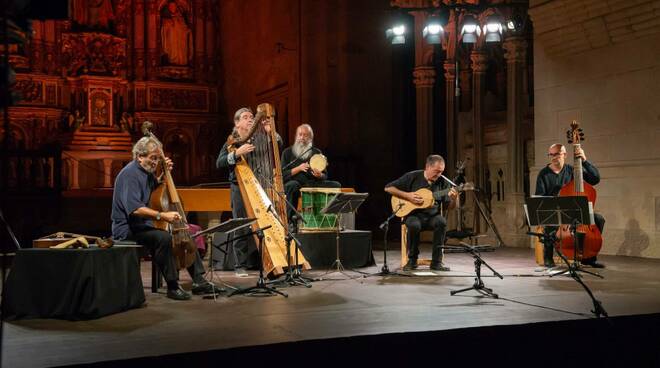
point(292, 190)
point(244, 249)
point(159, 243)
point(548, 246)
point(419, 221)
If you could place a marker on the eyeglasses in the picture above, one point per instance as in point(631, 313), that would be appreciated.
point(555, 154)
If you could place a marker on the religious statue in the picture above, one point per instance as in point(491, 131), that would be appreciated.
point(126, 122)
point(75, 120)
point(176, 36)
point(92, 13)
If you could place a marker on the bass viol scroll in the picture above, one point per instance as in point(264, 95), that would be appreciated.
point(165, 198)
point(259, 176)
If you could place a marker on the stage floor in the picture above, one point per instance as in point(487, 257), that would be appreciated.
point(337, 308)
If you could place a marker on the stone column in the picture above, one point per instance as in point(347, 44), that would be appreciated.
point(515, 55)
point(424, 77)
point(107, 173)
point(451, 102)
point(479, 66)
point(73, 174)
point(152, 33)
point(138, 41)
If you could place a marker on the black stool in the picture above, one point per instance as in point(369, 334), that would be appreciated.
point(156, 278)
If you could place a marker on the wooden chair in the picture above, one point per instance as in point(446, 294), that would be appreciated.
point(404, 248)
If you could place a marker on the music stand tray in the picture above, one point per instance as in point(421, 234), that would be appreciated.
point(228, 226)
point(559, 211)
point(340, 204)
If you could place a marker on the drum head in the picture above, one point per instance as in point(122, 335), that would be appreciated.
point(318, 162)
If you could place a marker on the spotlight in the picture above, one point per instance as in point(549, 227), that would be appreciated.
point(433, 31)
point(470, 30)
point(493, 29)
point(397, 34)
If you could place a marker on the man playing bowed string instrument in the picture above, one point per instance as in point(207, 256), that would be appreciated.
point(132, 218)
point(550, 181)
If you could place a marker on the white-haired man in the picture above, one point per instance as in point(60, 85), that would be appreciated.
point(132, 218)
point(296, 171)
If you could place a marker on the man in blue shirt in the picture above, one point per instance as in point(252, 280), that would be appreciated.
point(427, 218)
point(132, 218)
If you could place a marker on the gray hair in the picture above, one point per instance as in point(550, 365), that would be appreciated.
point(144, 146)
point(308, 127)
point(433, 159)
point(239, 112)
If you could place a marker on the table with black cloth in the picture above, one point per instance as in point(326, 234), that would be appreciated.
point(73, 284)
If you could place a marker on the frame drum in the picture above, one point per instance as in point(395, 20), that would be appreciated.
point(318, 162)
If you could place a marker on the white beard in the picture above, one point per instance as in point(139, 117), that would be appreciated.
point(302, 149)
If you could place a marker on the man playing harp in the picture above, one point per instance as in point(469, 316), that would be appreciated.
point(260, 159)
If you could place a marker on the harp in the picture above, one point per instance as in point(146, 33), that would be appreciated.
point(259, 176)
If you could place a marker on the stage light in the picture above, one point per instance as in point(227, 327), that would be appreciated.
point(397, 34)
point(433, 30)
point(470, 30)
point(493, 29)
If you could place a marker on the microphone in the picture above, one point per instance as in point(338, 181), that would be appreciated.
point(299, 157)
point(449, 181)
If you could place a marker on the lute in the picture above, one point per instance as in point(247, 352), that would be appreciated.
point(402, 207)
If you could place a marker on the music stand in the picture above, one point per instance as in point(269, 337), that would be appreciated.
point(559, 211)
point(556, 211)
point(340, 204)
point(229, 226)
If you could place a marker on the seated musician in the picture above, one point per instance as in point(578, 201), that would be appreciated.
point(550, 181)
point(427, 218)
point(296, 170)
point(132, 218)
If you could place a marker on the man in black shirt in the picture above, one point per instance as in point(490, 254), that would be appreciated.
point(243, 121)
point(428, 218)
point(550, 181)
point(132, 218)
point(296, 171)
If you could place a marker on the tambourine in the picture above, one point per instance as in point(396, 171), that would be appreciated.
point(318, 162)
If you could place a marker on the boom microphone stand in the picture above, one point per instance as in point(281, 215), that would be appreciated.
point(478, 282)
point(385, 226)
point(598, 310)
point(261, 289)
point(292, 277)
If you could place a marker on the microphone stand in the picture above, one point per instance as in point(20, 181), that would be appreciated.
point(598, 310)
point(385, 226)
point(293, 277)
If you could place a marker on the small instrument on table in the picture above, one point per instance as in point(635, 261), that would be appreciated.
point(62, 240)
point(403, 207)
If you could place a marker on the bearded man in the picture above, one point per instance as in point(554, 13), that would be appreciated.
point(132, 218)
point(296, 171)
